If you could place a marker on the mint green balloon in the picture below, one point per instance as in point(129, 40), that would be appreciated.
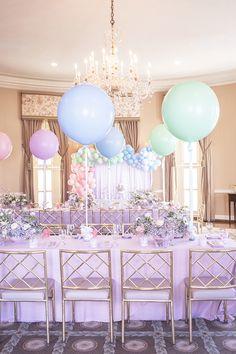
point(162, 141)
point(190, 110)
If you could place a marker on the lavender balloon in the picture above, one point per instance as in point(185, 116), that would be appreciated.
point(5, 146)
point(44, 144)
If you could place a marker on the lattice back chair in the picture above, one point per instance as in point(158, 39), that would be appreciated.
point(55, 229)
point(102, 229)
point(127, 229)
point(86, 276)
point(23, 278)
point(111, 216)
point(137, 213)
point(212, 277)
point(78, 217)
point(50, 216)
point(147, 276)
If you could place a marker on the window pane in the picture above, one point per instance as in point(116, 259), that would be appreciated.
point(49, 199)
point(40, 198)
point(48, 180)
point(186, 178)
point(195, 199)
point(40, 180)
point(194, 153)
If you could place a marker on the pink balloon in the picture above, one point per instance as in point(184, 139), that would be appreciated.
point(44, 144)
point(5, 146)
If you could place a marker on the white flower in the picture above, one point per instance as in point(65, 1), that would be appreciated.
point(148, 215)
point(14, 226)
point(26, 226)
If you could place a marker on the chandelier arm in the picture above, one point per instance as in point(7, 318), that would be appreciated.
point(112, 22)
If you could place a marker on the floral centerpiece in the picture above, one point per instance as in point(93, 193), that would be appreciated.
point(172, 223)
point(22, 225)
point(13, 200)
point(75, 200)
point(143, 200)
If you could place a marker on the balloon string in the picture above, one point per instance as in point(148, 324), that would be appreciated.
point(44, 184)
point(190, 150)
point(86, 187)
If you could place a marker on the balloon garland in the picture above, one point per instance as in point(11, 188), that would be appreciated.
point(146, 159)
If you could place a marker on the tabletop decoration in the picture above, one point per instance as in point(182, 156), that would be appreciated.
point(143, 200)
point(13, 200)
point(19, 226)
point(77, 201)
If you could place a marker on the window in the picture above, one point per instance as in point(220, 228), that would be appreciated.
point(182, 167)
point(47, 179)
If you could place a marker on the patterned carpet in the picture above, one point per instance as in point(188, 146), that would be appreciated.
point(141, 337)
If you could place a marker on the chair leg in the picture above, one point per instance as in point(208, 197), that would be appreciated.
point(186, 305)
point(15, 311)
point(123, 322)
point(111, 320)
point(53, 306)
point(47, 320)
point(167, 313)
point(225, 311)
point(63, 321)
point(128, 311)
point(190, 322)
point(73, 311)
point(172, 321)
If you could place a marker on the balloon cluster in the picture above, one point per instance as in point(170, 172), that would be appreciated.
point(77, 180)
point(146, 159)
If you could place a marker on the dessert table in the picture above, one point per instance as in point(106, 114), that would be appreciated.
point(88, 311)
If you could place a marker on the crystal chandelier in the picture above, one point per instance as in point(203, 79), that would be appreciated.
point(126, 88)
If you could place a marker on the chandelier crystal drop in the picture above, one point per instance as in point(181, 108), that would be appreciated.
point(124, 86)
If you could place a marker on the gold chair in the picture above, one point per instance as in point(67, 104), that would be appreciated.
point(86, 276)
point(24, 279)
point(127, 229)
point(137, 213)
point(147, 276)
point(102, 229)
point(77, 216)
point(212, 277)
point(50, 216)
point(111, 216)
point(54, 229)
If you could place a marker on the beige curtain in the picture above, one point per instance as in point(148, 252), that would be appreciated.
point(170, 177)
point(207, 192)
point(63, 152)
point(29, 127)
point(130, 132)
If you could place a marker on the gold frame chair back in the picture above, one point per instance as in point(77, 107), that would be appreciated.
point(147, 271)
point(137, 213)
point(103, 229)
point(49, 216)
point(24, 271)
point(210, 271)
point(86, 270)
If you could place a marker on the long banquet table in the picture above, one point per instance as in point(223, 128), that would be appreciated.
point(89, 311)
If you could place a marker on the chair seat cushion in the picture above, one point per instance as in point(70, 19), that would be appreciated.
point(87, 289)
point(208, 293)
point(27, 294)
point(86, 294)
point(147, 295)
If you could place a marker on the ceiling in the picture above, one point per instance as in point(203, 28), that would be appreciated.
point(180, 38)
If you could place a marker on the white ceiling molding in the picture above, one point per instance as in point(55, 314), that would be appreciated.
point(59, 86)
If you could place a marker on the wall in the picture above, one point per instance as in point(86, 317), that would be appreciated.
point(150, 117)
point(10, 169)
point(223, 149)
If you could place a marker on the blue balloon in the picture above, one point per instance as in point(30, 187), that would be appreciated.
point(112, 144)
point(86, 114)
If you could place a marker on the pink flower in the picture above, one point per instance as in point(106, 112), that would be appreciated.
point(140, 229)
point(94, 232)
